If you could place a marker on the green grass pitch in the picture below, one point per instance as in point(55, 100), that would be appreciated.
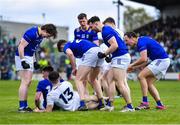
point(169, 91)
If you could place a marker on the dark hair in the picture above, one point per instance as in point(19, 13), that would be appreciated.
point(53, 76)
point(60, 42)
point(109, 20)
point(130, 34)
point(94, 19)
point(48, 69)
point(81, 16)
point(51, 29)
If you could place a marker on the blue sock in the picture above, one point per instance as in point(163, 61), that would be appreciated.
point(23, 104)
point(109, 103)
point(145, 99)
point(159, 103)
point(100, 102)
point(82, 103)
point(130, 106)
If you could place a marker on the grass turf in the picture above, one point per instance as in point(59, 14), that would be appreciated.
point(169, 91)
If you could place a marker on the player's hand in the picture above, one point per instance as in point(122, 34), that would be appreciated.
point(38, 110)
point(36, 66)
point(25, 65)
point(130, 69)
point(108, 59)
point(101, 55)
point(74, 71)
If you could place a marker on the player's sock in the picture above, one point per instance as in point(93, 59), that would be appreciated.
point(130, 106)
point(145, 99)
point(82, 103)
point(100, 102)
point(159, 103)
point(23, 104)
point(109, 103)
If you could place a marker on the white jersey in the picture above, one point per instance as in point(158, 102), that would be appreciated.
point(64, 96)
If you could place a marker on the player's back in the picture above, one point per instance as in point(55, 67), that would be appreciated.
point(44, 86)
point(79, 47)
point(65, 97)
point(154, 49)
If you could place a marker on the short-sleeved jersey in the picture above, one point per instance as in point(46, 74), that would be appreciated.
point(44, 86)
point(88, 34)
point(154, 49)
point(63, 95)
point(107, 33)
point(120, 32)
point(33, 38)
point(79, 47)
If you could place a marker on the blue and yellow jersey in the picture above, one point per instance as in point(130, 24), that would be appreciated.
point(44, 86)
point(107, 33)
point(33, 38)
point(154, 49)
point(87, 34)
point(79, 47)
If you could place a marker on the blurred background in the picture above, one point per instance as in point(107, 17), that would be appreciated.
point(159, 19)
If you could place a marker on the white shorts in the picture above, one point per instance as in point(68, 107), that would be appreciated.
point(28, 59)
point(78, 61)
point(91, 59)
point(121, 62)
point(105, 67)
point(159, 67)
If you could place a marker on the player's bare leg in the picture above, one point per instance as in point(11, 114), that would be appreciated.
point(81, 76)
point(26, 77)
point(144, 88)
point(119, 77)
point(154, 92)
point(97, 87)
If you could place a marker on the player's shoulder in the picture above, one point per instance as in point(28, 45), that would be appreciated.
point(77, 29)
point(65, 84)
point(32, 29)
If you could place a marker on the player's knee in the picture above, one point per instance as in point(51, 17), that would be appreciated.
point(140, 76)
point(26, 82)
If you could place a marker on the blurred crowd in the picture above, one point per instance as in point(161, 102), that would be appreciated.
point(167, 32)
point(7, 53)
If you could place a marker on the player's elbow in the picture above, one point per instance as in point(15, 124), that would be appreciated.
point(143, 60)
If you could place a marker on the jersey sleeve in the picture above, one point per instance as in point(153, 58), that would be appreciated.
point(106, 34)
point(141, 45)
point(66, 46)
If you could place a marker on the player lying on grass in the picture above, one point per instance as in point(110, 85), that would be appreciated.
point(63, 96)
point(88, 69)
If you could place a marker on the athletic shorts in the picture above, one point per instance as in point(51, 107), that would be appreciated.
point(105, 67)
point(121, 62)
point(91, 59)
point(159, 67)
point(78, 61)
point(28, 60)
